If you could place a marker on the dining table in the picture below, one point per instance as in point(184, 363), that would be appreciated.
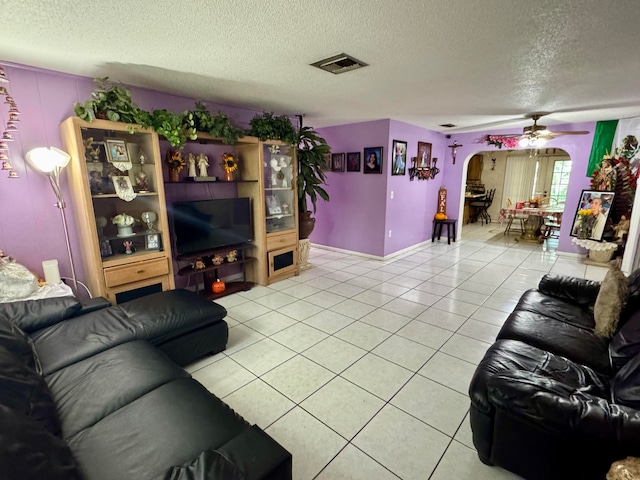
point(535, 218)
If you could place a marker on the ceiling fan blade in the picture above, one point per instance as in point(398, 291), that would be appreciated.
point(557, 134)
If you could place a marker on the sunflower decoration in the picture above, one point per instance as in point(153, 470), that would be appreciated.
point(229, 163)
point(174, 160)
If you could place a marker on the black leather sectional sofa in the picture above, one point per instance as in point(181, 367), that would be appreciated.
point(96, 392)
point(552, 400)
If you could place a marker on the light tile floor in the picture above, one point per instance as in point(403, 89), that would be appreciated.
point(360, 368)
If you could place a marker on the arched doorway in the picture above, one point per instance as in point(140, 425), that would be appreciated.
point(516, 175)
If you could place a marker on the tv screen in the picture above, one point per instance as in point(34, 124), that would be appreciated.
point(203, 225)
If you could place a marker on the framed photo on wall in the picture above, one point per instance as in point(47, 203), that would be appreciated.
point(353, 162)
point(399, 158)
point(337, 162)
point(592, 214)
point(326, 164)
point(372, 160)
point(424, 155)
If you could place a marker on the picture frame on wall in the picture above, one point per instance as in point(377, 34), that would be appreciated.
point(424, 155)
point(116, 151)
point(326, 162)
point(592, 214)
point(372, 160)
point(337, 162)
point(353, 162)
point(399, 158)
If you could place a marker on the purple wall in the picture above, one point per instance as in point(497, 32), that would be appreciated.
point(30, 225)
point(348, 222)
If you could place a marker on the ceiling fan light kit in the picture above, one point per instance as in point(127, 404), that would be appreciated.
point(533, 136)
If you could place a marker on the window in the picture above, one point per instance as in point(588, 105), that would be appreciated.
point(560, 181)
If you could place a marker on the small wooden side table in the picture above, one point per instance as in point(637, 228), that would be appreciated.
point(437, 229)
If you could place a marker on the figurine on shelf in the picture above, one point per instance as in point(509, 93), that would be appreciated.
point(217, 259)
point(95, 182)
point(199, 264)
point(94, 153)
point(232, 256)
point(622, 228)
point(191, 160)
point(203, 163)
point(285, 208)
point(142, 185)
point(128, 247)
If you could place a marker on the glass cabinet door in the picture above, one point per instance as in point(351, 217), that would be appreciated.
point(123, 181)
point(278, 181)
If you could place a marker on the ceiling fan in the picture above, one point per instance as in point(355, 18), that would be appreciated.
point(537, 135)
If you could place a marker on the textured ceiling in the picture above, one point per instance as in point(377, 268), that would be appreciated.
point(476, 64)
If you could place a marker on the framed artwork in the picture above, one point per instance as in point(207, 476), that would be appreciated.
point(152, 241)
point(372, 160)
point(424, 155)
point(326, 162)
point(353, 162)
point(117, 151)
point(399, 160)
point(123, 188)
point(592, 215)
point(273, 205)
point(337, 162)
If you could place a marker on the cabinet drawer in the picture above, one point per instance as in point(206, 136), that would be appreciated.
point(279, 241)
point(115, 276)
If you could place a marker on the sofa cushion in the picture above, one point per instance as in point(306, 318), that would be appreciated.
point(30, 452)
point(23, 390)
point(158, 318)
point(610, 302)
point(633, 296)
point(556, 308)
point(32, 315)
point(625, 385)
point(13, 339)
point(209, 464)
point(84, 392)
point(542, 330)
point(508, 356)
point(625, 344)
point(168, 426)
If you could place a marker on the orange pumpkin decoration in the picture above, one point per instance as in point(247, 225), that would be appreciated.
point(440, 216)
point(218, 286)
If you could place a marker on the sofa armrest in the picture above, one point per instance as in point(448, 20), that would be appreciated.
point(32, 315)
point(577, 290)
point(560, 408)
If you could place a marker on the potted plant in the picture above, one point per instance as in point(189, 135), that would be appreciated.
point(271, 127)
point(218, 126)
point(311, 159)
point(175, 127)
point(110, 102)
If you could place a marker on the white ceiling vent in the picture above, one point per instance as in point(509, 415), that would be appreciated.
point(339, 64)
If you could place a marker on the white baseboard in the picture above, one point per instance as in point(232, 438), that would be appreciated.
point(367, 255)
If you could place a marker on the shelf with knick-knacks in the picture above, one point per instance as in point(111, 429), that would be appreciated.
point(117, 187)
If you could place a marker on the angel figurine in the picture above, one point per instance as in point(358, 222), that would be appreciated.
point(191, 161)
point(203, 163)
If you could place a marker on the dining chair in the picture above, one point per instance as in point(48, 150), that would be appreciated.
point(481, 207)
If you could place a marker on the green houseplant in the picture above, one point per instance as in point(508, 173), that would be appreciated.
point(311, 153)
point(110, 102)
point(177, 128)
point(271, 127)
point(218, 126)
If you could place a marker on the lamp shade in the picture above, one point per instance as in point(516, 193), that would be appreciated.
point(47, 159)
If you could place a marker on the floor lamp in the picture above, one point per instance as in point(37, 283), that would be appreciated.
point(52, 161)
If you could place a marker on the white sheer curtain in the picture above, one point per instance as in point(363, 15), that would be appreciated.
point(519, 178)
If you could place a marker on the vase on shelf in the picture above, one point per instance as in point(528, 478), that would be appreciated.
point(584, 232)
point(125, 231)
point(174, 175)
point(228, 176)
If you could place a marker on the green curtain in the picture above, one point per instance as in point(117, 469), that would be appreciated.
point(602, 144)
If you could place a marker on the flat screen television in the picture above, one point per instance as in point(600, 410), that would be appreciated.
point(203, 225)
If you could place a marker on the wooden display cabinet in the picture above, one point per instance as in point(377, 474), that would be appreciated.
point(114, 172)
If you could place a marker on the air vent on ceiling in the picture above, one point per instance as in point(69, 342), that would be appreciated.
point(448, 125)
point(339, 64)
